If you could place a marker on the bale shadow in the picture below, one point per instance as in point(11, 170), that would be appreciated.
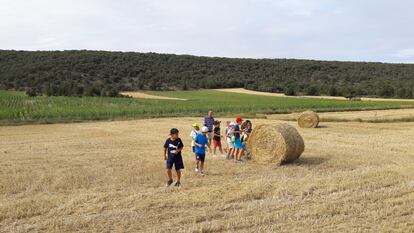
point(309, 161)
point(322, 127)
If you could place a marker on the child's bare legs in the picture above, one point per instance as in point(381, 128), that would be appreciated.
point(239, 153)
point(201, 167)
point(221, 150)
point(214, 149)
point(209, 142)
point(229, 152)
point(248, 154)
point(198, 164)
point(178, 175)
point(234, 154)
point(169, 174)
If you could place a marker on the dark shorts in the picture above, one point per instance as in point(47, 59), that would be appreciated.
point(177, 161)
point(200, 157)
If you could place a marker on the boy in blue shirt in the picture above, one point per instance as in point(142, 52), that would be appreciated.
point(200, 142)
point(172, 154)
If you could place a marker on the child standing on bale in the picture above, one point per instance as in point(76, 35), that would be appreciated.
point(172, 154)
point(217, 138)
point(201, 142)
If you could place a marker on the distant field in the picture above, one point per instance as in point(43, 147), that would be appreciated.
point(16, 107)
point(372, 116)
point(250, 92)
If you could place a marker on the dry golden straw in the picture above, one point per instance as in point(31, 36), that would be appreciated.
point(308, 119)
point(276, 144)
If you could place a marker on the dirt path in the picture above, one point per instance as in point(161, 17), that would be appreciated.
point(109, 176)
point(249, 92)
point(142, 95)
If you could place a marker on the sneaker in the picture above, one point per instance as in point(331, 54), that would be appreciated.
point(228, 157)
point(202, 174)
point(177, 184)
point(169, 183)
point(196, 169)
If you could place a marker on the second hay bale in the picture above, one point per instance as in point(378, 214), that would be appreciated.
point(308, 119)
point(275, 143)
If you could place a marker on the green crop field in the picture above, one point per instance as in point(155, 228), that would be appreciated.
point(16, 107)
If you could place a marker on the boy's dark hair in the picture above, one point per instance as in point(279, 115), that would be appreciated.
point(173, 131)
point(216, 122)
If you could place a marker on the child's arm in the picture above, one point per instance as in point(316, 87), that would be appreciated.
point(196, 143)
point(178, 150)
point(165, 153)
point(238, 131)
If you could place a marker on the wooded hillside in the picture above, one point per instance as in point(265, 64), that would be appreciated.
point(100, 73)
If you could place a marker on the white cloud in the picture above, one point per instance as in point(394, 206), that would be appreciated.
point(405, 53)
point(319, 29)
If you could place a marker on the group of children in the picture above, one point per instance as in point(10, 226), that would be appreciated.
point(236, 136)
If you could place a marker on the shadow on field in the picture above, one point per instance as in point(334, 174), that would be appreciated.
point(309, 161)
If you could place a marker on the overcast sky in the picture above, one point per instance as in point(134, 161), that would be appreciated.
point(357, 30)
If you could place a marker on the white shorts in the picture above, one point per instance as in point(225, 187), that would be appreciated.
point(210, 135)
point(230, 143)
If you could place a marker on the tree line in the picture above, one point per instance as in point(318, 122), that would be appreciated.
point(101, 73)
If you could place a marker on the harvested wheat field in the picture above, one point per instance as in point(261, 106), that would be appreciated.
point(372, 115)
point(142, 95)
point(250, 92)
point(109, 177)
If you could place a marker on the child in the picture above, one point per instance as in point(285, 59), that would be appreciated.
point(193, 134)
point(200, 142)
point(238, 150)
point(229, 135)
point(217, 138)
point(172, 154)
point(246, 128)
point(226, 149)
point(249, 127)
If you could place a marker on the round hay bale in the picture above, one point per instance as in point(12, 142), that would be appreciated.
point(308, 119)
point(275, 143)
